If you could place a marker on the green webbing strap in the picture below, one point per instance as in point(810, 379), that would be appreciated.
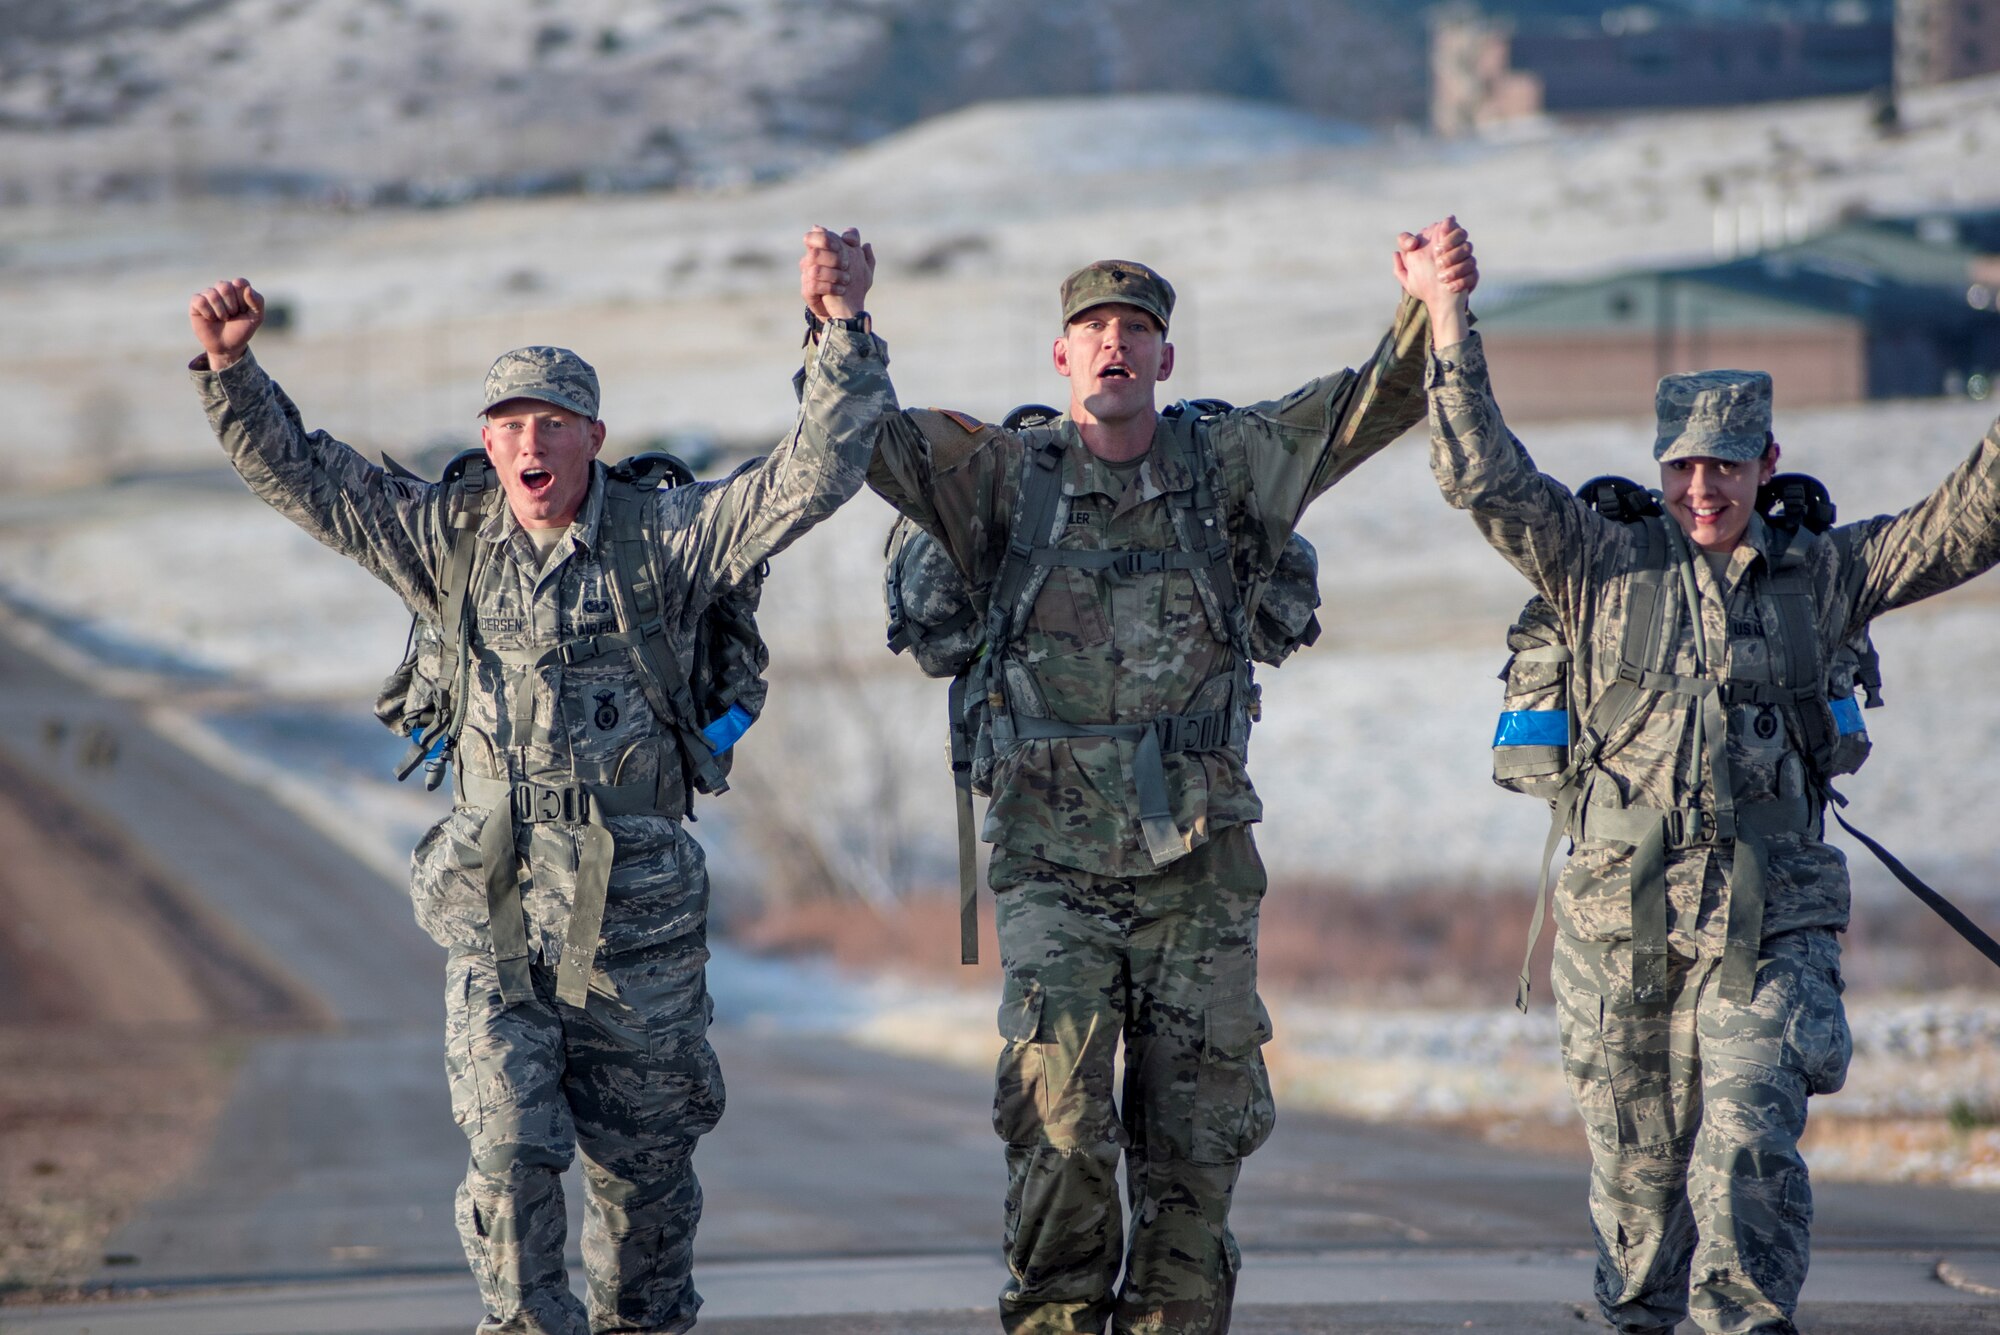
point(1201, 521)
point(636, 607)
point(1156, 818)
point(1562, 807)
point(1649, 915)
point(1792, 592)
point(903, 633)
point(1647, 829)
point(465, 499)
point(1207, 731)
point(968, 835)
point(506, 921)
point(586, 911)
point(1034, 519)
point(1745, 925)
point(581, 805)
point(1648, 884)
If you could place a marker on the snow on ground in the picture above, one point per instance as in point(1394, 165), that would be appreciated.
point(1373, 758)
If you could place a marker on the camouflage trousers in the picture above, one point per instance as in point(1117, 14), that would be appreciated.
point(631, 1081)
point(1693, 1109)
point(1168, 962)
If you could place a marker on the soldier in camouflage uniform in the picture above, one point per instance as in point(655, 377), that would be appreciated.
point(1697, 967)
point(1112, 923)
point(538, 1070)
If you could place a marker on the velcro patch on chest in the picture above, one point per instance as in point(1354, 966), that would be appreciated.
point(968, 424)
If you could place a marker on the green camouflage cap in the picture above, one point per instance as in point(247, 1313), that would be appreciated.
point(1124, 281)
point(552, 375)
point(1713, 415)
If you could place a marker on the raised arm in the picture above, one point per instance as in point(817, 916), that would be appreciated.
point(821, 463)
point(1285, 453)
point(385, 523)
point(1529, 518)
point(1939, 543)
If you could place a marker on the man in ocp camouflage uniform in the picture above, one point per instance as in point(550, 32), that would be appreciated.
point(1697, 966)
point(1125, 880)
point(562, 1034)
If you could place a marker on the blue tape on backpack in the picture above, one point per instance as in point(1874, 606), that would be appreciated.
point(1847, 716)
point(726, 731)
point(1533, 727)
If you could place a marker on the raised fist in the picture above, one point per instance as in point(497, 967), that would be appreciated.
point(224, 317)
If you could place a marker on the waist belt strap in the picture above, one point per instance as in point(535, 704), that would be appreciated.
point(1168, 733)
point(511, 804)
point(1651, 831)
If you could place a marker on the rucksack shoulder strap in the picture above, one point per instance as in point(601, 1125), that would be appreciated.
point(1033, 521)
point(464, 491)
point(1205, 533)
point(638, 602)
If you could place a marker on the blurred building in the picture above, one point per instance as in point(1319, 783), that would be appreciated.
point(1875, 308)
point(1489, 66)
point(1941, 40)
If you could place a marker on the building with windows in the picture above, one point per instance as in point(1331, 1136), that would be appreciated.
point(1941, 40)
point(1489, 67)
point(1875, 308)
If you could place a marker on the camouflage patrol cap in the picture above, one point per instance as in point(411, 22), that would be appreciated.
point(552, 375)
point(1125, 281)
point(1713, 415)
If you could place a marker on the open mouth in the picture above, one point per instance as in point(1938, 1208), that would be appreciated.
point(537, 480)
point(1115, 371)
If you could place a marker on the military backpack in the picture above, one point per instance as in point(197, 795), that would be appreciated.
point(706, 705)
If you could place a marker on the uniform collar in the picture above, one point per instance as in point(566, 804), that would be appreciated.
point(1160, 470)
point(1760, 541)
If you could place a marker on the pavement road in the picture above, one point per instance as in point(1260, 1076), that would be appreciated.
point(848, 1190)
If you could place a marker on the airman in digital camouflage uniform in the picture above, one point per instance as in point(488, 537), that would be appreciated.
point(537, 1071)
point(1125, 879)
point(1697, 966)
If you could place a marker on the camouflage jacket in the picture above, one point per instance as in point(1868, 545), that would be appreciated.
point(541, 720)
point(1112, 649)
point(1577, 559)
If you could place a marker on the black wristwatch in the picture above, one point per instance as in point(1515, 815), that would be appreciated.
point(854, 324)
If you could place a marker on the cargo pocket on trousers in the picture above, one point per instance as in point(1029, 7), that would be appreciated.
point(1817, 1038)
point(1233, 1109)
point(1616, 1051)
point(1017, 1087)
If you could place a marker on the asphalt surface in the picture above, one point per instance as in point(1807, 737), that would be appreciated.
point(848, 1190)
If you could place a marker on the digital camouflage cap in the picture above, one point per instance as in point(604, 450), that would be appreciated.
point(551, 375)
point(1124, 281)
point(1713, 415)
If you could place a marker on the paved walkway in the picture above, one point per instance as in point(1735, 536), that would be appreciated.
point(1510, 1292)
